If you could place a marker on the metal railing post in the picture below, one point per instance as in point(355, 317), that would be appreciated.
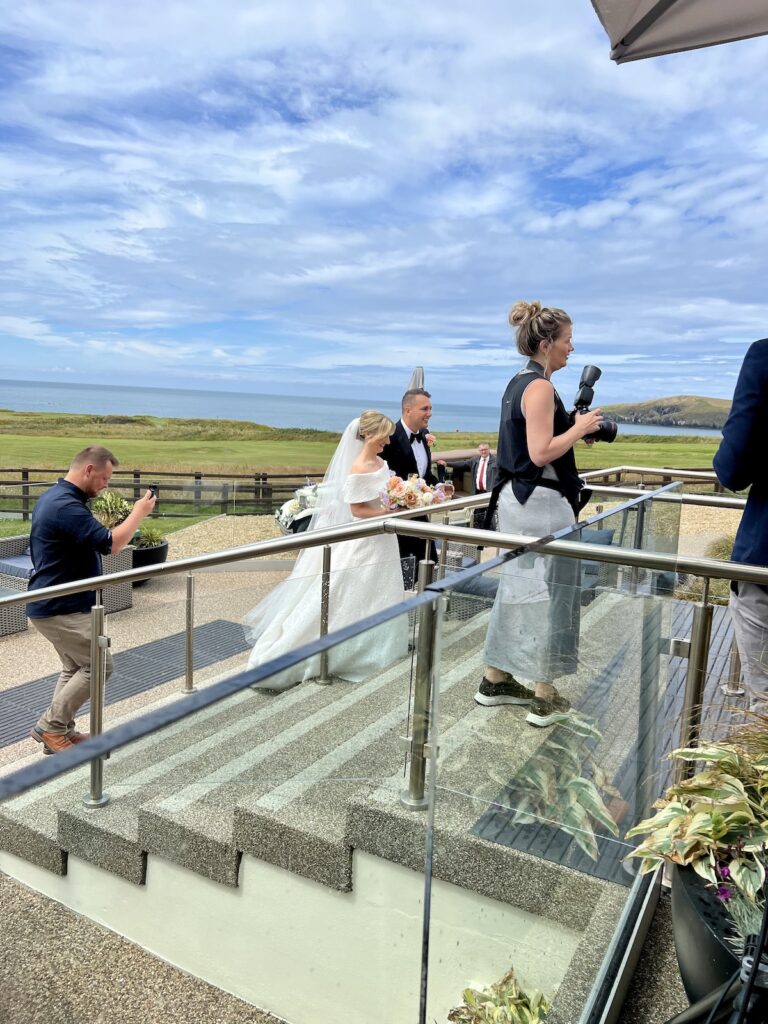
point(25, 494)
point(414, 797)
point(443, 551)
point(695, 681)
point(325, 597)
point(96, 797)
point(733, 687)
point(189, 660)
point(638, 543)
point(648, 707)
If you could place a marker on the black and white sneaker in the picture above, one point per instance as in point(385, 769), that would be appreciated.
point(507, 692)
point(548, 712)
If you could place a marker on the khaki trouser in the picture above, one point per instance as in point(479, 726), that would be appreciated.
point(71, 636)
point(749, 611)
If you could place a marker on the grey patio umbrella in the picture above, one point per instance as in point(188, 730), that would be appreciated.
point(648, 28)
point(417, 379)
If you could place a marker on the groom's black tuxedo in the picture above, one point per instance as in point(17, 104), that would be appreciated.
point(398, 455)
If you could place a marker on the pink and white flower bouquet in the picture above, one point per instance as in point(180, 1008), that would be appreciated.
point(411, 493)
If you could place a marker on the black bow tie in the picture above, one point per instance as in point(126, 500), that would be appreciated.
point(415, 437)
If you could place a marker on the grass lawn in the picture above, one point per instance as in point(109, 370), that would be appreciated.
point(48, 440)
point(234, 456)
point(282, 456)
point(17, 527)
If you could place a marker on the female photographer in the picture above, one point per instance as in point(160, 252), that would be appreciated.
point(534, 624)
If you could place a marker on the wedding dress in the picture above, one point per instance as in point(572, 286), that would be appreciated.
point(365, 578)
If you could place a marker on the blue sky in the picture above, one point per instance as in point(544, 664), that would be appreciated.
point(314, 197)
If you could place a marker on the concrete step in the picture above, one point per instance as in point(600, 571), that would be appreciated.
point(175, 793)
point(308, 782)
point(299, 778)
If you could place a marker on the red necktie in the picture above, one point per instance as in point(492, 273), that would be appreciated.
point(481, 476)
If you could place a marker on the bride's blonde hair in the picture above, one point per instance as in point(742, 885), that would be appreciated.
point(374, 424)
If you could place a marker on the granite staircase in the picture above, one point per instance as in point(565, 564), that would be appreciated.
point(268, 832)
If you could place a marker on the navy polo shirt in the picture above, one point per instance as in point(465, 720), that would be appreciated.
point(65, 542)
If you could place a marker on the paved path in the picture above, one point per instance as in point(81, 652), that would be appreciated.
point(90, 975)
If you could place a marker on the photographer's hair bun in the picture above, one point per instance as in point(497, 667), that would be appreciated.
point(523, 311)
point(535, 323)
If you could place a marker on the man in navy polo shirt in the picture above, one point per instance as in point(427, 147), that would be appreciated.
point(739, 463)
point(66, 543)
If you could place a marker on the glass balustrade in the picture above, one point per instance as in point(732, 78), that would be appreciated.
point(305, 797)
point(284, 797)
point(533, 800)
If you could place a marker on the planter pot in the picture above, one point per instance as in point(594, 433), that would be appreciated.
point(142, 557)
point(700, 924)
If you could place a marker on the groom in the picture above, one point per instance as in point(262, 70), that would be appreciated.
point(408, 453)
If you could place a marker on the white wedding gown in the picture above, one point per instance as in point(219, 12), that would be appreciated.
point(365, 578)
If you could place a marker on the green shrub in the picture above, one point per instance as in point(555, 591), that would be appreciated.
point(148, 536)
point(721, 548)
point(110, 508)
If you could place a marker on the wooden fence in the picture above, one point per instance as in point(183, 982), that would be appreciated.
point(178, 494)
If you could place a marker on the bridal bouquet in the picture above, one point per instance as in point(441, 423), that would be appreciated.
point(411, 493)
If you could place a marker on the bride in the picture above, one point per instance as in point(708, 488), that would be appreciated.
point(365, 574)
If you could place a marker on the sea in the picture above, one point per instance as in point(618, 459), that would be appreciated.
point(273, 410)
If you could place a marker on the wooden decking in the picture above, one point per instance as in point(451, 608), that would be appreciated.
point(649, 737)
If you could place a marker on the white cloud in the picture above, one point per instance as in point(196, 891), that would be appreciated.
point(204, 187)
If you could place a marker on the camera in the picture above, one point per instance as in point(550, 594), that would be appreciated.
point(153, 488)
point(608, 429)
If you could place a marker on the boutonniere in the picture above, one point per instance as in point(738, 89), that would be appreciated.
point(430, 439)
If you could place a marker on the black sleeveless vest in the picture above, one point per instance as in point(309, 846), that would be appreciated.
point(513, 461)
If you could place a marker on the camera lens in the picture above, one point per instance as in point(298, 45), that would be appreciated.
point(606, 431)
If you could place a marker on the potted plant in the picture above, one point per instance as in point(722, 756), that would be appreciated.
point(150, 547)
point(110, 508)
point(713, 829)
point(502, 1003)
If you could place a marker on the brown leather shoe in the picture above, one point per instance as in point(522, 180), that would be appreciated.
point(78, 737)
point(53, 742)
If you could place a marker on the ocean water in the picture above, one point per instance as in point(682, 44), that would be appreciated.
point(273, 410)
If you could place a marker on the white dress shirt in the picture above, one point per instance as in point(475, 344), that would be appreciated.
point(419, 451)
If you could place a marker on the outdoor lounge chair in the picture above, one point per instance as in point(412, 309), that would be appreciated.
point(16, 569)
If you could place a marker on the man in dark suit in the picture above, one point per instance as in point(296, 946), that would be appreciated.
point(740, 463)
point(482, 469)
point(408, 453)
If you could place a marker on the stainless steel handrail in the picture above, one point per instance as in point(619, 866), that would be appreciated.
point(711, 568)
point(398, 523)
point(679, 474)
point(680, 498)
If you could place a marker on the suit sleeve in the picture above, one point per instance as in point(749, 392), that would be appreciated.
point(737, 462)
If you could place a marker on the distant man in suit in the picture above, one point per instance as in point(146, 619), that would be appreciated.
point(482, 469)
point(740, 463)
point(407, 453)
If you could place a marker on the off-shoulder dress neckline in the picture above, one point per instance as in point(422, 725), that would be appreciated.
point(372, 472)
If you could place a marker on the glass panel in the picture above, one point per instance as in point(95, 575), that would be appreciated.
point(534, 798)
point(649, 525)
point(268, 828)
